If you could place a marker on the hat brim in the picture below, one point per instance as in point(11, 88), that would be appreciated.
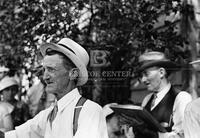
point(168, 65)
point(83, 74)
point(7, 82)
point(195, 62)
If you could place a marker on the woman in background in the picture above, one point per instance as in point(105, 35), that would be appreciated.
point(9, 90)
point(6, 122)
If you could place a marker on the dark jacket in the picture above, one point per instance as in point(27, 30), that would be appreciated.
point(163, 112)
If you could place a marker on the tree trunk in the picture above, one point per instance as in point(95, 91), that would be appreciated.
point(190, 30)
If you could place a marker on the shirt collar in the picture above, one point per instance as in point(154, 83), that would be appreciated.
point(68, 98)
point(164, 91)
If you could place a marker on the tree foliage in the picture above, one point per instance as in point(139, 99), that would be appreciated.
point(25, 23)
point(132, 27)
point(125, 27)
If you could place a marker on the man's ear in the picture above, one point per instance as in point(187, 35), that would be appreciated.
point(74, 73)
point(162, 72)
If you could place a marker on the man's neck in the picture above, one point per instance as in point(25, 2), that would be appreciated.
point(163, 84)
point(66, 91)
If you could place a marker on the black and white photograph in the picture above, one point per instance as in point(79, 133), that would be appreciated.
point(99, 68)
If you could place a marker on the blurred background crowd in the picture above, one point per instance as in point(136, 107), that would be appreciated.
point(16, 107)
point(113, 32)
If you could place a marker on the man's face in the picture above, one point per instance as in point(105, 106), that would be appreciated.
point(56, 76)
point(151, 77)
point(7, 94)
point(113, 128)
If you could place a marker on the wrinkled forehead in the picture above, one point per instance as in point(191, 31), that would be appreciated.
point(52, 60)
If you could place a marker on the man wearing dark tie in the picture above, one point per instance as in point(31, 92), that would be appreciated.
point(165, 103)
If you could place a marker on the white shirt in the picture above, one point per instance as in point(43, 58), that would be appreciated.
point(192, 120)
point(181, 101)
point(160, 95)
point(91, 122)
point(5, 109)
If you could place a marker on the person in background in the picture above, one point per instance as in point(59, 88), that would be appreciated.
point(114, 127)
point(165, 102)
point(65, 68)
point(46, 100)
point(6, 122)
point(34, 95)
point(192, 113)
point(9, 91)
point(37, 98)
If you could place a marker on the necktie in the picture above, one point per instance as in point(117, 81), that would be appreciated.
point(154, 100)
point(53, 113)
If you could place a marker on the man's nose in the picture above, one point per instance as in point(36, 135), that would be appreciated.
point(46, 76)
point(143, 78)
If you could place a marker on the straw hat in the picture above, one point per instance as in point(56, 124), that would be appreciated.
point(7, 82)
point(195, 64)
point(75, 52)
point(154, 58)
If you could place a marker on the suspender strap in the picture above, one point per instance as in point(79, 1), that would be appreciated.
point(77, 111)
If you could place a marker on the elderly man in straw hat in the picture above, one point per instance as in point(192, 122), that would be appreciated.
point(71, 116)
point(165, 103)
point(192, 113)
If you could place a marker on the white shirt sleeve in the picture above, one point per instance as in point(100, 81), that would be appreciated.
point(181, 101)
point(33, 128)
point(192, 120)
point(91, 122)
point(10, 134)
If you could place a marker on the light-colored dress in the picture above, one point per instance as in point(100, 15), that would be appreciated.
point(5, 109)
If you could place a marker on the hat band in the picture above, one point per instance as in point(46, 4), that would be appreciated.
point(67, 48)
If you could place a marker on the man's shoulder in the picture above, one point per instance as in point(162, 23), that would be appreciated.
point(193, 106)
point(180, 93)
point(91, 104)
point(184, 94)
point(6, 108)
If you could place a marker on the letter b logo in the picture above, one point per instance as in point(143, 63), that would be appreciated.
point(98, 58)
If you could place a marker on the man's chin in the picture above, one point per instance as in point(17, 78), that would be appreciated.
point(49, 90)
point(149, 89)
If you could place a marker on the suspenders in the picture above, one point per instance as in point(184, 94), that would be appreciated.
point(77, 111)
